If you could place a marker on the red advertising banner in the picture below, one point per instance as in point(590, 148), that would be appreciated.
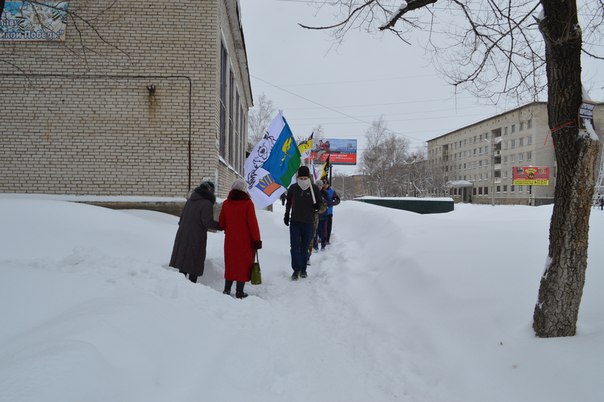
point(340, 151)
point(531, 176)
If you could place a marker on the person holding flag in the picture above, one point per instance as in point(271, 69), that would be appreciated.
point(302, 203)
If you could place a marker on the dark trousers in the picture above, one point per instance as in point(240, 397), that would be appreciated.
point(300, 236)
point(322, 232)
point(328, 229)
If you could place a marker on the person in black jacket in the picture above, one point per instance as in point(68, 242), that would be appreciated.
point(189, 251)
point(302, 204)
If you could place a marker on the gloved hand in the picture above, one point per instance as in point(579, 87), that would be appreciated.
point(286, 220)
point(315, 206)
point(256, 244)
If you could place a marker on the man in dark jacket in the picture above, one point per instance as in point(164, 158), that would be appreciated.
point(333, 199)
point(302, 204)
point(189, 252)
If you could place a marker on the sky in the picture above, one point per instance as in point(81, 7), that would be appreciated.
point(345, 88)
point(400, 307)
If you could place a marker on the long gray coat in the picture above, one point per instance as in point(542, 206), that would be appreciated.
point(189, 252)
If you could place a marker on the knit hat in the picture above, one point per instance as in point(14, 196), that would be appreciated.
point(208, 185)
point(303, 171)
point(239, 184)
point(319, 183)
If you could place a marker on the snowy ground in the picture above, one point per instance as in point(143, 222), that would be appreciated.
point(401, 307)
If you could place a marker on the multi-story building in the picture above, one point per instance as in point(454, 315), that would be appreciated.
point(476, 162)
point(122, 98)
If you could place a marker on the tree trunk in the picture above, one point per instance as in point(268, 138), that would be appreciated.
point(562, 283)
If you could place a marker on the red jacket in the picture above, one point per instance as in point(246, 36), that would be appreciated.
point(241, 235)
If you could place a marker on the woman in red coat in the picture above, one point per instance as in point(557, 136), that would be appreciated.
point(241, 237)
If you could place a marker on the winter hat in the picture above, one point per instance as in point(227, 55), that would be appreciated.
point(208, 185)
point(319, 183)
point(303, 171)
point(239, 184)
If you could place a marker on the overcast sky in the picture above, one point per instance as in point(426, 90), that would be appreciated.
point(344, 88)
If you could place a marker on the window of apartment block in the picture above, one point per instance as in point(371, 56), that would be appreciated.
point(520, 157)
point(505, 188)
point(479, 190)
point(505, 174)
point(513, 128)
point(529, 123)
point(223, 100)
point(480, 137)
point(505, 159)
point(498, 189)
point(521, 127)
point(505, 131)
point(512, 188)
point(486, 191)
point(512, 144)
point(521, 141)
point(519, 189)
point(231, 113)
point(474, 191)
point(513, 158)
point(529, 156)
point(474, 151)
point(529, 139)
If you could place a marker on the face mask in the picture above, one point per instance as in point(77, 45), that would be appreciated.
point(303, 183)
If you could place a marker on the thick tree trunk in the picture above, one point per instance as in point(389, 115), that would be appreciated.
point(562, 283)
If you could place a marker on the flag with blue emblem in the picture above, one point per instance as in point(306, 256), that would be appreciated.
point(284, 159)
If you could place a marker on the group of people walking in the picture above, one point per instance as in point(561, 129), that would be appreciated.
point(241, 241)
point(308, 213)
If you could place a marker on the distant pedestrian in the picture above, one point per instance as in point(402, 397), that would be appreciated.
point(241, 237)
point(302, 205)
point(601, 203)
point(283, 197)
point(333, 199)
point(189, 251)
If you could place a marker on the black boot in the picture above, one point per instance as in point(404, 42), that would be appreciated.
point(240, 294)
point(227, 287)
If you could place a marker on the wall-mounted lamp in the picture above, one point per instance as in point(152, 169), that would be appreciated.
point(151, 89)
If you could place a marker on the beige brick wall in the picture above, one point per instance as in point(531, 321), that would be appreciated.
point(78, 117)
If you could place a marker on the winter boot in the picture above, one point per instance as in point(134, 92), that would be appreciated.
point(239, 293)
point(227, 287)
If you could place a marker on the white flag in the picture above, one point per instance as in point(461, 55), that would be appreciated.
point(263, 189)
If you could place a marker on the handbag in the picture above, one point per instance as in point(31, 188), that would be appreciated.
point(256, 273)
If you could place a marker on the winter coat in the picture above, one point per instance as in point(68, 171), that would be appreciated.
point(300, 202)
point(333, 199)
point(189, 252)
point(241, 235)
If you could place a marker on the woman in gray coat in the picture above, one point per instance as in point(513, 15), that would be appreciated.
point(189, 252)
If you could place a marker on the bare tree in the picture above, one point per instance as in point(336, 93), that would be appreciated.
point(383, 158)
point(503, 48)
point(259, 118)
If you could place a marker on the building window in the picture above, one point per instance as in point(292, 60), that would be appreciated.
point(505, 131)
point(529, 123)
point(521, 142)
point(512, 188)
point(519, 189)
point(513, 128)
point(521, 127)
point(499, 189)
point(479, 190)
point(505, 159)
point(520, 157)
point(223, 100)
point(231, 117)
point(512, 144)
point(486, 191)
point(513, 158)
point(505, 188)
point(529, 139)
point(474, 191)
point(529, 156)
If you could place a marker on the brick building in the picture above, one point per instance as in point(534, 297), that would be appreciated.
point(136, 98)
